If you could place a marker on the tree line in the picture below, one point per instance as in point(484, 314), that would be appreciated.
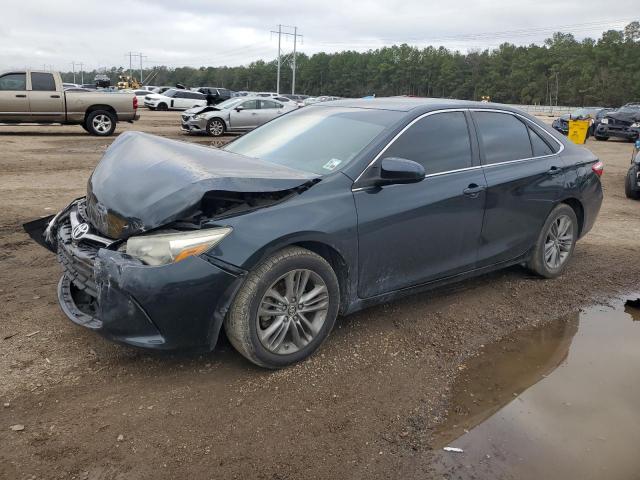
point(563, 70)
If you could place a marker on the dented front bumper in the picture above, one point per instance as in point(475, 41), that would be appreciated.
point(170, 307)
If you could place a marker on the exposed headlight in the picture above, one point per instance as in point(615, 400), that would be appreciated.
point(167, 248)
point(635, 125)
point(604, 120)
point(195, 117)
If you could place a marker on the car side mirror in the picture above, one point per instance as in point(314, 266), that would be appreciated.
point(394, 170)
point(239, 108)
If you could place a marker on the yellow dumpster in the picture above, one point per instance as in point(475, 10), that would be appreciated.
point(578, 130)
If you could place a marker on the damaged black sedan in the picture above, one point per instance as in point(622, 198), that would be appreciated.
point(320, 212)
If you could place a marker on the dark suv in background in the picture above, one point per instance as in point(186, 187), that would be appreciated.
point(219, 94)
point(622, 123)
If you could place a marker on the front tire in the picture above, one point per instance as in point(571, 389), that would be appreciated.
point(215, 127)
point(556, 242)
point(285, 309)
point(101, 123)
point(162, 107)
point(601, 139)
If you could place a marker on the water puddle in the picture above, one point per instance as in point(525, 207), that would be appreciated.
point(557, 402)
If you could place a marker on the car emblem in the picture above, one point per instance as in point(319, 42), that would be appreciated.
point(79, 231)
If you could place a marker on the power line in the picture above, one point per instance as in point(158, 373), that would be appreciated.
point(525, 32)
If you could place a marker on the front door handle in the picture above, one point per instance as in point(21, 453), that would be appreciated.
point(55, 96)
point(554, 170)
point(21, 96)
point(473, 190)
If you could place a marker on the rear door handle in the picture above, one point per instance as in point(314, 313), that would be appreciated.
point(554, 170)
point(21, 96)
point(474, 189)
point(55, 96)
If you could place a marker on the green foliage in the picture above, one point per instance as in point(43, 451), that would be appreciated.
point(589, 72)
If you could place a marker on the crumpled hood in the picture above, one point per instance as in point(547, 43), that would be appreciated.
point(630, 117)
point(144, 181)
point(196, 110)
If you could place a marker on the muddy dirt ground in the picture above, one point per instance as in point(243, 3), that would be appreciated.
point(365, 406)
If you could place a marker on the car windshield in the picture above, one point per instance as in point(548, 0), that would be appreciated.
point(230, 103)
point(315, 139)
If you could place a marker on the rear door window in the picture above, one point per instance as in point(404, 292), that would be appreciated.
point(439, 142)
point(16, 82)
point(502, 137)
point(43, 82)
point(269, 104)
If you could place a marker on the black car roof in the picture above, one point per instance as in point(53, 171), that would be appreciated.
point(407, 104)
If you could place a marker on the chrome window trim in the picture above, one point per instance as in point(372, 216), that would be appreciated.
point(434, 112)
point(438, 174)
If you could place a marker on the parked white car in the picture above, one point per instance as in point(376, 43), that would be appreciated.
point(175, 99)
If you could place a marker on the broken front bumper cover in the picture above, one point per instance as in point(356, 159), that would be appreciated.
point(179, 306)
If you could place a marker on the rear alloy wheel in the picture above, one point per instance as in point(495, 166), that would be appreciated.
point(101, 123)
point(285, 309)
point(556, 242)
point(215, 127)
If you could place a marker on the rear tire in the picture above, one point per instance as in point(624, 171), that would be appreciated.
point(556, 242)
point(630, 185)
point(100, 123)
point(303, 318)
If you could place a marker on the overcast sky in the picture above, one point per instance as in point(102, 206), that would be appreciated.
point(207, 32)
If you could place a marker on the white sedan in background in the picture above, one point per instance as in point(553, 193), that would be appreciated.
point(175, 99)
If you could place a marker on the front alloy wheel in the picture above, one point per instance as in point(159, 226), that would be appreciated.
point(215, 127)
point(285, 308)
point(292, 311)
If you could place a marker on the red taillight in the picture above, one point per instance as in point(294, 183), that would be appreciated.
point(598, 168)
point(135, 102)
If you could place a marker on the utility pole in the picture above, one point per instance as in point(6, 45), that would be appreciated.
point(295, 35)
point(293, 80)
point(73, 67)
point(141, 74)
point(130, 64)
point(279, 40)
point(81, 73)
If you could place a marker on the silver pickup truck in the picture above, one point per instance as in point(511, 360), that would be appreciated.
point(38, 97)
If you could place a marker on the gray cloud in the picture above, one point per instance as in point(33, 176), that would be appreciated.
point(204, 32)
